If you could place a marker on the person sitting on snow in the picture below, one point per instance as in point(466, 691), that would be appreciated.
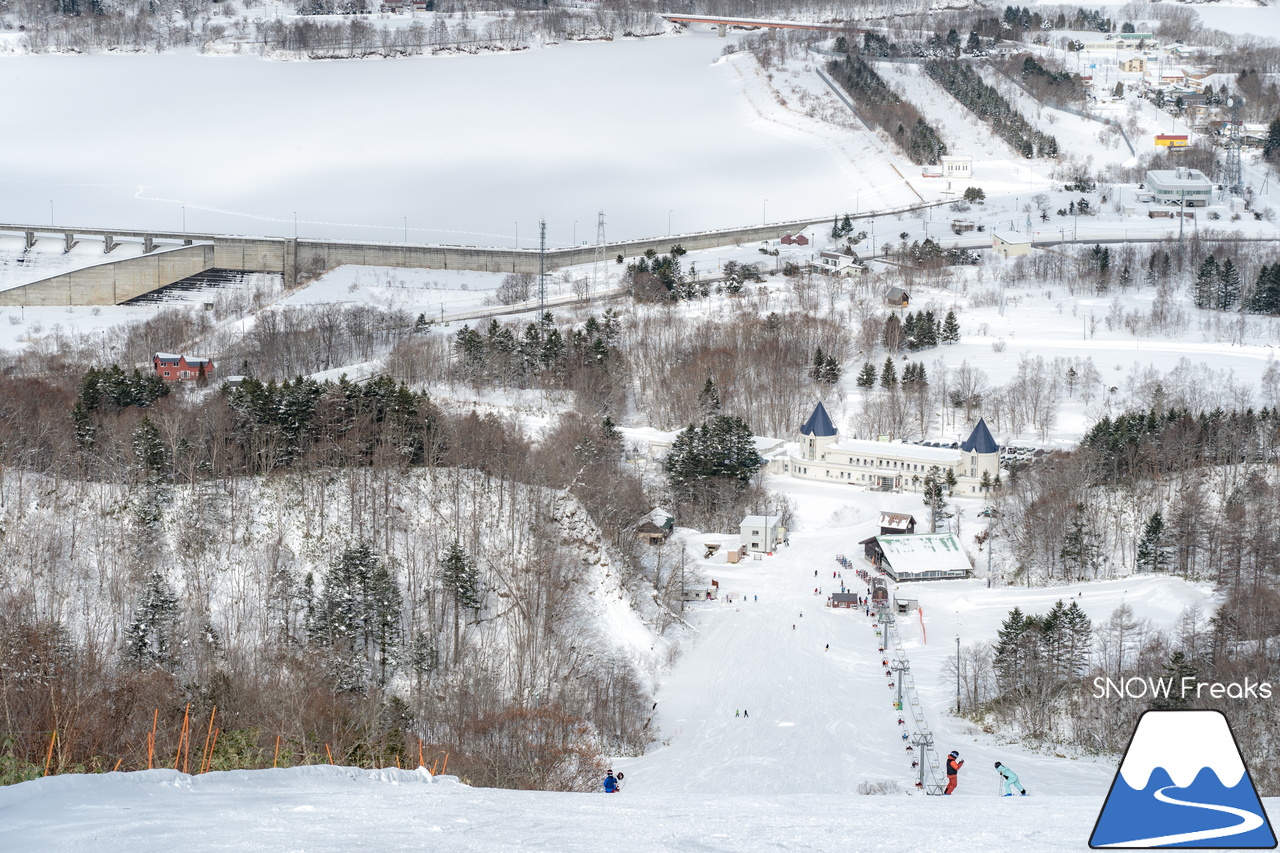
point(610, 783)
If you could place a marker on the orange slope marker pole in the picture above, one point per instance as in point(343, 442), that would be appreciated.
point(151, 740)
point(177, 758)
point(275, 761)
point(48, 758)
point(212, 747)
point(328, 753)
point(445, 768)
point(208, 736)
point(923, 635)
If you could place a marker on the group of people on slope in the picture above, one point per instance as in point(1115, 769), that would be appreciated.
point(1008, 777)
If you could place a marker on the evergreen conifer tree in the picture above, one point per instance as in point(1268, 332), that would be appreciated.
point(709, 398)
point(1079, 551)
point(867, 377)
point(1077, 640)
point(1011, 650)
point(1204, 289)
point(356, 618)
point(460, 577)
point(935, 499)
point(1265, 298)
point(1176, 669)
point(1153, 550)
point(951, 329)
point(1228, 295)
point(151, 639)
point(888, 374)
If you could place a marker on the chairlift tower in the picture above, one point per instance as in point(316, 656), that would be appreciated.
point(900, 669)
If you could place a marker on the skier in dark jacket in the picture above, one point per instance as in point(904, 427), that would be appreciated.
point(610, 783)
point(1010, 780)
point(953, 769)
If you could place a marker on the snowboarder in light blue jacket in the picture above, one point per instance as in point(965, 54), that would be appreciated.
point(1010, 780)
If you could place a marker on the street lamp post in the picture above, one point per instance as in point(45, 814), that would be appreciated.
point(765, 212)
point(669, 212)
point(406, 230)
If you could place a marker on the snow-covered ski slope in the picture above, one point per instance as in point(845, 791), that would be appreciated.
point(786, 777)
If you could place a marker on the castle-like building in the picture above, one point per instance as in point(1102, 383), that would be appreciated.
point(887, 465)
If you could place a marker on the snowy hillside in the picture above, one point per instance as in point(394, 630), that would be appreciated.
point(820, 725)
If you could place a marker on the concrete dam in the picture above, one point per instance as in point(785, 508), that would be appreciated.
point(168, 257)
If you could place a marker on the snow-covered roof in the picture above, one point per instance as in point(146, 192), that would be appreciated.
point(761, 521)
point(899, 520)
point(1011, 237)
point(980, 440)
point(661, 517)
point(819, 424)
point(923, 552)
point(168, 356)
point(897, 450)
point(766, 445)
point(1177, 178)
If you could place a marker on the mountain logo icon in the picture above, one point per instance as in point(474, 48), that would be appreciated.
point(1183, 783)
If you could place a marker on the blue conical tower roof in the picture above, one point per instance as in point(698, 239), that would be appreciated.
point(980, 440)
point(819, 424)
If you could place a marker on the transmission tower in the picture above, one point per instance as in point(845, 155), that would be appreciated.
point(598, 268)
point(1232, 183)
point(542, 268)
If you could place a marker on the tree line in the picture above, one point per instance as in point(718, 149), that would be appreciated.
point(963, 83)
point(881, 106)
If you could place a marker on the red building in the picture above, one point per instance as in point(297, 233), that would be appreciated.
point(797, 240)
point(174, 367)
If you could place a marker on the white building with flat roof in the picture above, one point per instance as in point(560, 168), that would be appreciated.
point(1010, 243)
point(1188, 187)
point(761, 532)
point(957, 166)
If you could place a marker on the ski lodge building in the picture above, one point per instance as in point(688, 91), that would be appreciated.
point(919, 557)
point(889, 465)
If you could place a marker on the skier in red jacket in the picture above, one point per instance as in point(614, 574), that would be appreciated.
point(953, 769)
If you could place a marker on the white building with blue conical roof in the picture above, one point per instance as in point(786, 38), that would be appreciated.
point(822, 454)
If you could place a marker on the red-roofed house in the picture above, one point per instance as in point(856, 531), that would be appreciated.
point(173, 367)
